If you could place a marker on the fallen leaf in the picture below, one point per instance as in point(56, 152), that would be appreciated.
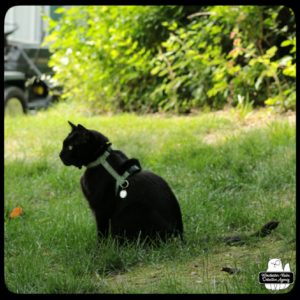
point(16, 212)
point(230, 270)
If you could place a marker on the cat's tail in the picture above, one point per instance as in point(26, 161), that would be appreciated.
point(241, 239)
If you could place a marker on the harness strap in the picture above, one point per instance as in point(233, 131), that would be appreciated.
point(121, 180)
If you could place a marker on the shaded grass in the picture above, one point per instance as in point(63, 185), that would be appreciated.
point(236, 182)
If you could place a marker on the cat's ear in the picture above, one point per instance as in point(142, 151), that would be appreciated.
point(79, 126)
point(72, 125)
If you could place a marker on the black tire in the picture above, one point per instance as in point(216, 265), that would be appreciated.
point(15, 93)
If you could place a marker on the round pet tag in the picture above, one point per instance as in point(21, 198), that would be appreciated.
point(123, 194)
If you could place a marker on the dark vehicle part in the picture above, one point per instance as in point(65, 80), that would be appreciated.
point(26, 84)
point(15, 99)
point(6, 34)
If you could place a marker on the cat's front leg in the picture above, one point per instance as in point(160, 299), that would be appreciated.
point(84, 187)
point(102, 226)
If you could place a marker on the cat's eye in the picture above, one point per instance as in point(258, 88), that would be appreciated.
point(70, 147)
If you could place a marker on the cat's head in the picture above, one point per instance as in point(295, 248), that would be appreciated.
point(82, 146)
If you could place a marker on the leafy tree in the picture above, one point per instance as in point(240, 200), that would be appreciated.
point(199, 66)
point(175, 58)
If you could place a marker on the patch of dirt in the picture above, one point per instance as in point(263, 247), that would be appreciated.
point(255, 119)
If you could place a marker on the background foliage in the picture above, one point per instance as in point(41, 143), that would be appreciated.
point(175, 58)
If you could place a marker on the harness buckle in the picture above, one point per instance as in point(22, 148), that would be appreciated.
point(125, 184)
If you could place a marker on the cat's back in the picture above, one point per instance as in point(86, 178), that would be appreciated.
point(151, 188)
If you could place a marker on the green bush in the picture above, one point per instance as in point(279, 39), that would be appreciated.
point(175, 58)
point(197, 69)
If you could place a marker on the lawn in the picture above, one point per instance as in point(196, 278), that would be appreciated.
point(231, 173)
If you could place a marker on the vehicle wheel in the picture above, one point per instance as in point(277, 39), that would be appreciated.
point(14, 101)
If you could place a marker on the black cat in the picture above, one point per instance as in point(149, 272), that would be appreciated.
point(127, 201)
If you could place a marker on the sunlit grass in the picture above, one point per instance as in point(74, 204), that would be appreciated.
point(230, 175)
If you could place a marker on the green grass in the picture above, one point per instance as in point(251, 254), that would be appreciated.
point(230, 174)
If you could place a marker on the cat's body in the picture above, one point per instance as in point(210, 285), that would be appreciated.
point(149, 209)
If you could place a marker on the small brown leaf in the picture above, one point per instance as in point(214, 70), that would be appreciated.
point(16, 212)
